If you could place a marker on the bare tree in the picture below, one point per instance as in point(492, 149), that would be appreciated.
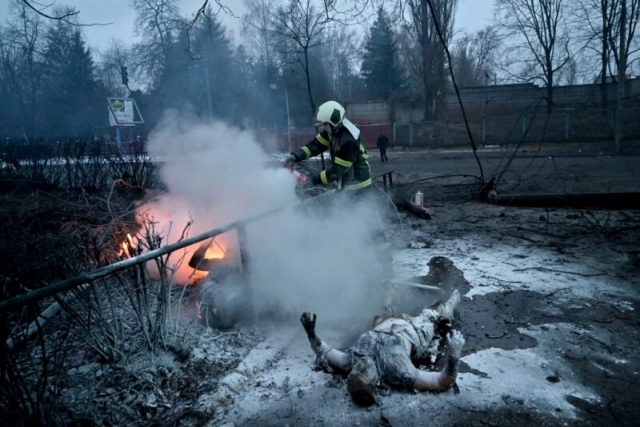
point(609, 30)
point(597, 22)
point(158, 23)
point(538, 46)
point(623, 47)
point(569, 75)
point(299, 25)
point(474, 57)
point(350, 12)
point(592, 22)
point(116, 56)
point(260, 31)
point(342, 44)
point(410, 60)
point(21, 72)
point(66, 14)
point(623, 42)
point(60, 14)
point(431, 25)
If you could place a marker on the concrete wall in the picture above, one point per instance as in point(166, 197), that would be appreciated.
point(409, 112)
point(488, 99)
point(377, 112)
point(496, 115)
point(522, 95)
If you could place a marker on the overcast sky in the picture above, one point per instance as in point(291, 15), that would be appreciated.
point(472, 15)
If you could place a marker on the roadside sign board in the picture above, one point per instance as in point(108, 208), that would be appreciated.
point(123, 112)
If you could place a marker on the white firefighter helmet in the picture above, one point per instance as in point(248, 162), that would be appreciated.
point(330, 112)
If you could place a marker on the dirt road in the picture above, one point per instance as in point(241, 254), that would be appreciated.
point(448, 175)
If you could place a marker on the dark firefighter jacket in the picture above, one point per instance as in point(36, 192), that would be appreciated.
point(349, 159)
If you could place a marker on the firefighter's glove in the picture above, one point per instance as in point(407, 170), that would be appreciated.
point(290, 161)
point(455, 341)
point(308, 321)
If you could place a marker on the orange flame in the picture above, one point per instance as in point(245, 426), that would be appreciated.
point(214, 252)
point(130, 242)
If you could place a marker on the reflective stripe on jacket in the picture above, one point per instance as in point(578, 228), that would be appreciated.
point(349, 159)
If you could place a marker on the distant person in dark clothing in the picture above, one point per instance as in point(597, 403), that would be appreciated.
point(382, 144)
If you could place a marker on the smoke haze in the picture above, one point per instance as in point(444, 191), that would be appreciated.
point(305, 258)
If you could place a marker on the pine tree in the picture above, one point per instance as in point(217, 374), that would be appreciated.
point(218, 62)
point(74, 99)
point(380, 63)
point(199, 73)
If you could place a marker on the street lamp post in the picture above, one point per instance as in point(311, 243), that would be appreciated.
point(286, 99)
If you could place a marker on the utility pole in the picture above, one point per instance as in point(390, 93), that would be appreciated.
point(286, 100)
point(286, 97)
point(207, 83)
point(622, 63)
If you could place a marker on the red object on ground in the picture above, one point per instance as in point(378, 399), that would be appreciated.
point(300, 177)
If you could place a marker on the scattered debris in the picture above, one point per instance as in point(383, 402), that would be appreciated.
point(495, 337)
point(415, 210)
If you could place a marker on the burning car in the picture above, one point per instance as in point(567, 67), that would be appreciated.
point(224, 297)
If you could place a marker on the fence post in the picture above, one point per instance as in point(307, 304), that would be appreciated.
point(524, 125)
point(484, 130)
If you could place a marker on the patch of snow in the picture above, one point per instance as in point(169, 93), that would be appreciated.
point(491, 265)
point(521, 376)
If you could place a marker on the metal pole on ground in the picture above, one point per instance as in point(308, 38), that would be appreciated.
point(76, 281)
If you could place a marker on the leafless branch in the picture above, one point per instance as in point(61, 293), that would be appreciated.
point(64, 16)
point(204, 11)
point(354, 12)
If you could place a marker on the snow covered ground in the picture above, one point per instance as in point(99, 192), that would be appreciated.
point(550, 317)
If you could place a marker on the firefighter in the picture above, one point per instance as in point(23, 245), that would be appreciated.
point(349, 167)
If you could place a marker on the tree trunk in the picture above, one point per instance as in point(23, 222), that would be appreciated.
point(549, 87)
point(426, 64)
point(622, 64)
point(604, 4)
point(313, 104)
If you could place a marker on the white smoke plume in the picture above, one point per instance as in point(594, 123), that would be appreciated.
point(320, 260)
